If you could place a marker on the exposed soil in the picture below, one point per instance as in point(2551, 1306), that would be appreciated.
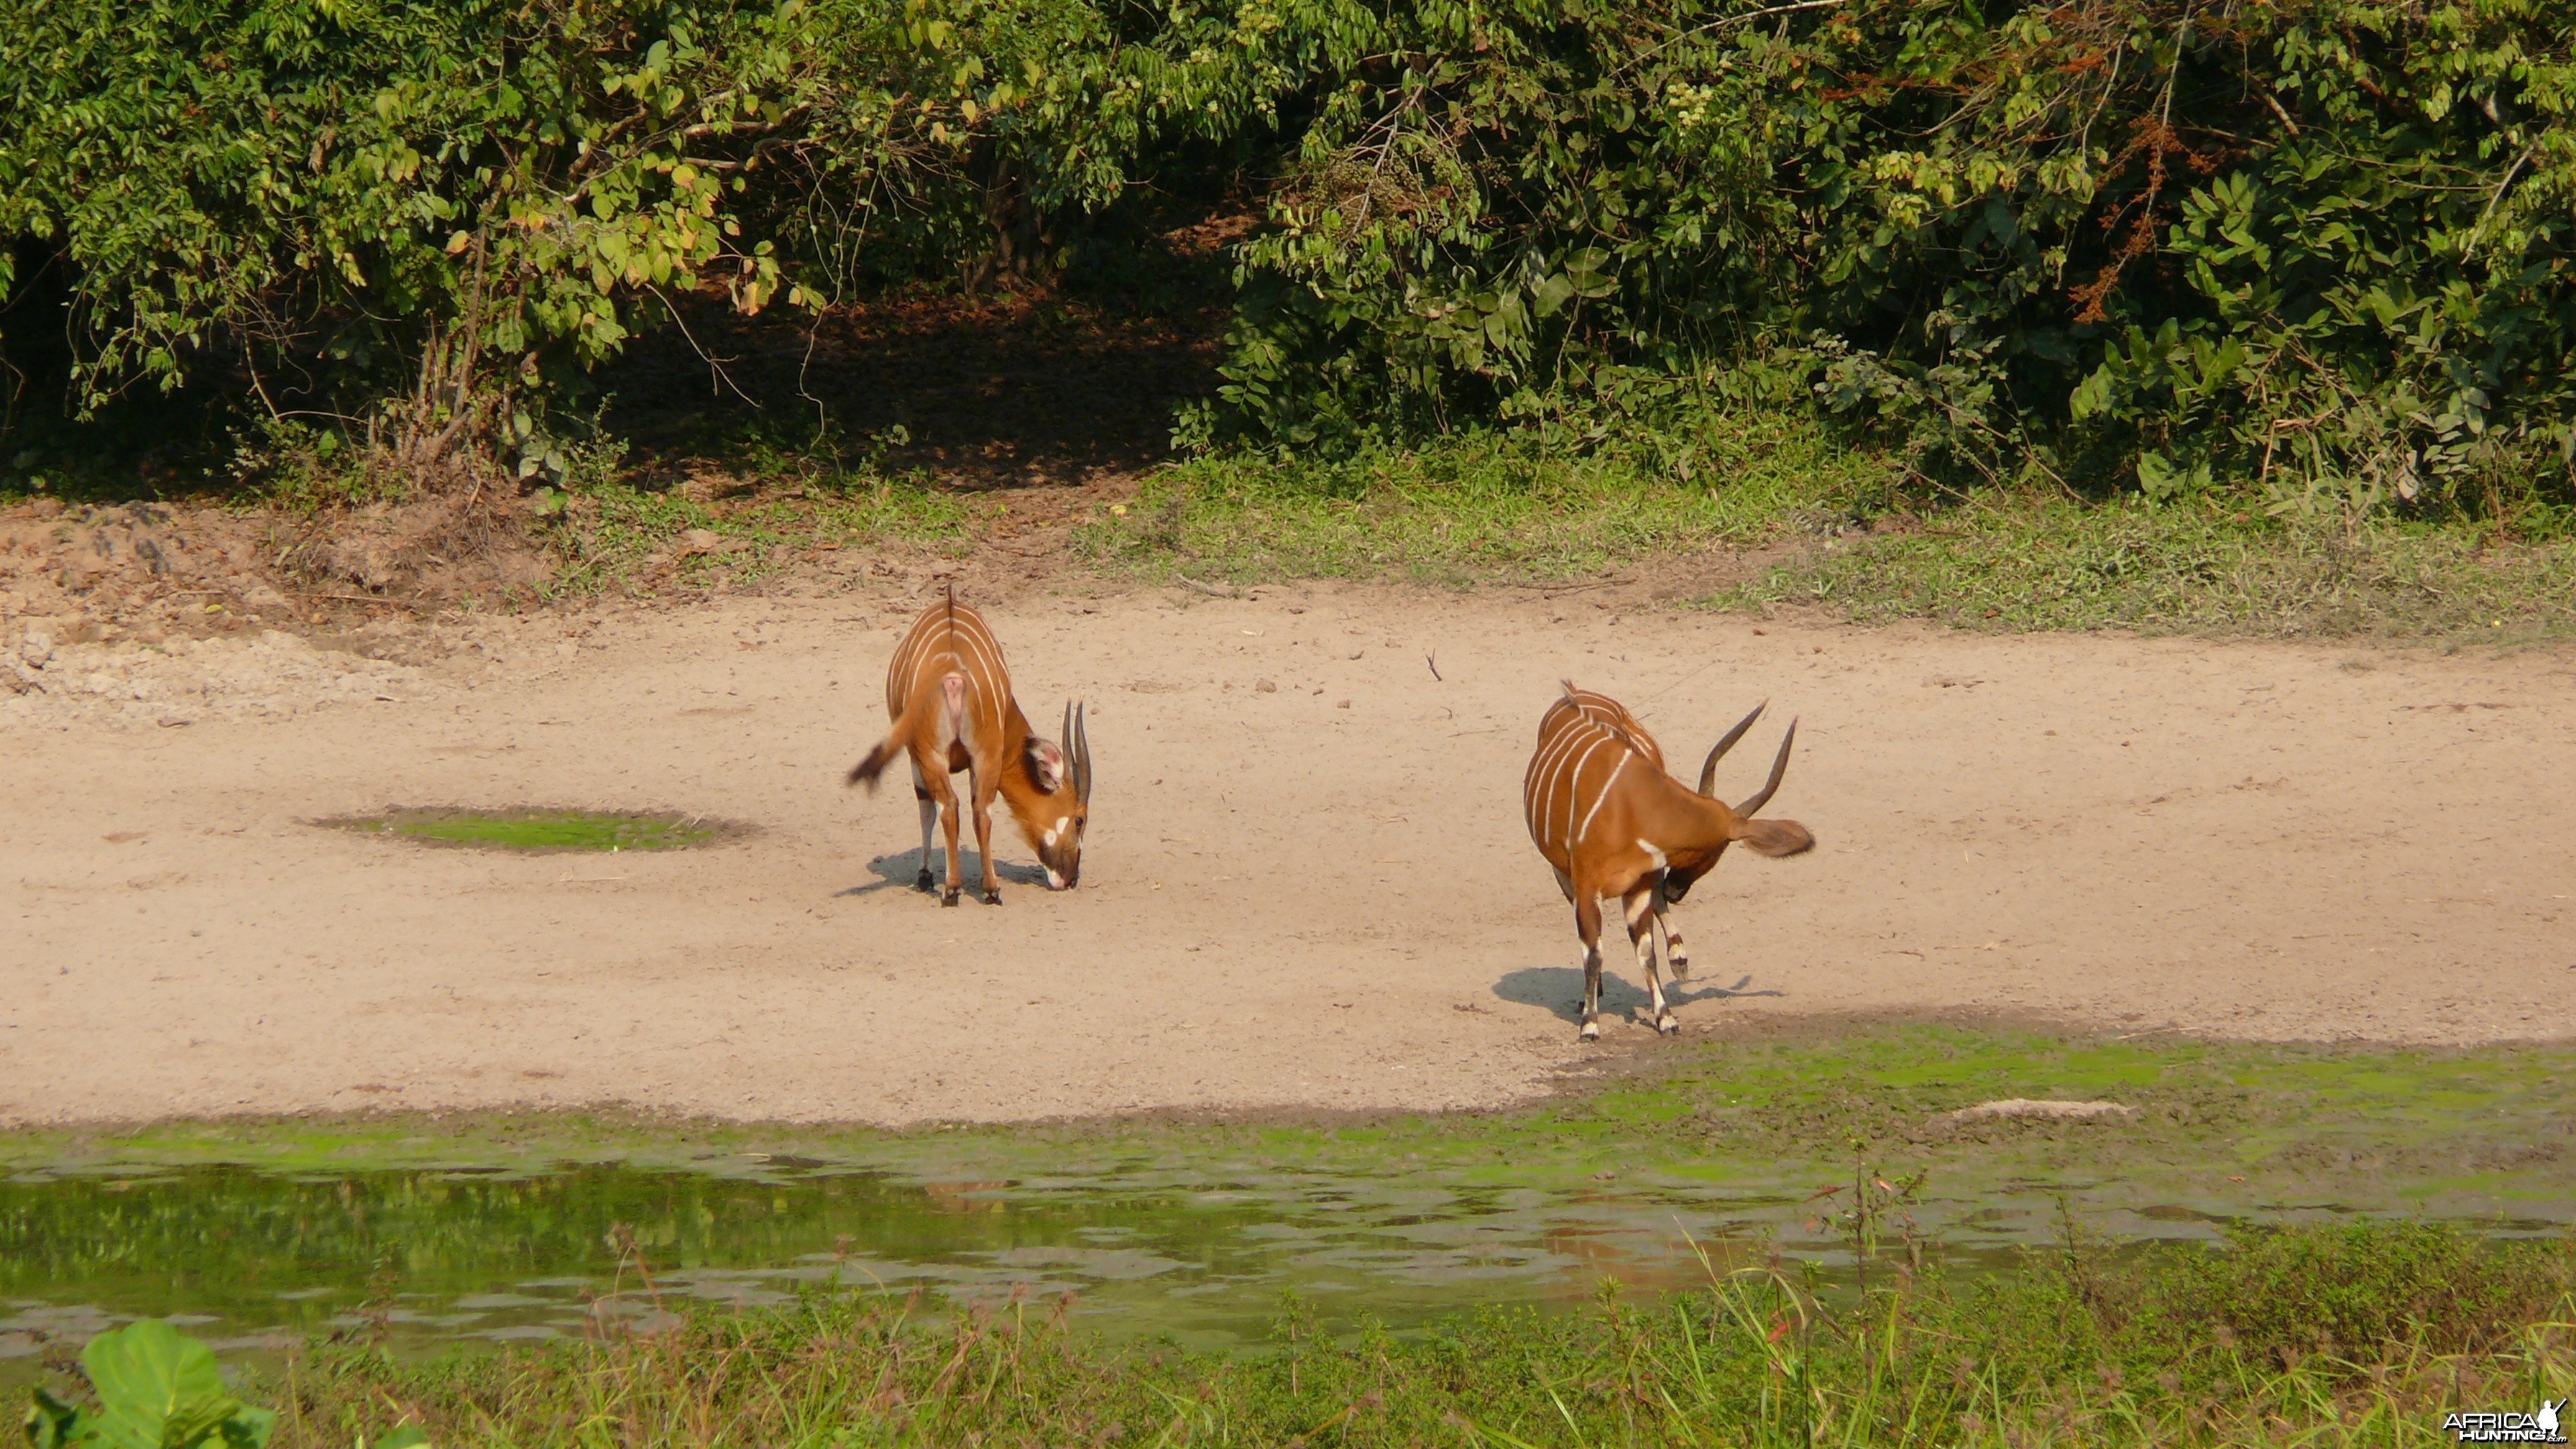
point(1307, 885)
point(1060, 403)
point(150, 572)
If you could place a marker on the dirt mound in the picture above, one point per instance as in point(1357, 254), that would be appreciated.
point(141, 571)
point(154, 576)
point(181, 679)
point(2043, 1109)
point(438, 548)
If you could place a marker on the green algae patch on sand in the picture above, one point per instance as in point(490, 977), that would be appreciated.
point(2213, 1127)
point(2384, 1127)
point(540, 830)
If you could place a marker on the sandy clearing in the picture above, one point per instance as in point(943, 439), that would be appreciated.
point(1286, 903)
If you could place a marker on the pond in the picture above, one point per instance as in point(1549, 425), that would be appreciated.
point(253, 1259)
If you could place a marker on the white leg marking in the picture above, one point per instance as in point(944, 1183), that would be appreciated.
point(1591, 994)
point(1641, 929)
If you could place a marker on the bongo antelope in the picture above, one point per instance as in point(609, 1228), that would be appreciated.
point(951, 702)
point(1611, 822)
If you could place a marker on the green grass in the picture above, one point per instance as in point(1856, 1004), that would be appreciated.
point(1749, 509)
point(1818, 523)
point(614, 536)
point(2028, 562)
point(536, 830)
point(1480, 507)
point(2363, 1334)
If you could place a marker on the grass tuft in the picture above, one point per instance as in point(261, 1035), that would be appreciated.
point(2196, 1347)
point(616, 536)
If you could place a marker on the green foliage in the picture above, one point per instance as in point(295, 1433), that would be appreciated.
point(2359, 1333)
point(464, 190)
point(157, 1389)
point(2347, 1290)
point(2322, 246)
point(2322, 243)
point(461, 207)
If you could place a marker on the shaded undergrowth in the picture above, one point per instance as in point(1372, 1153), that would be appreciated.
point(2365, 1333)
point(1704, 498)
point(1762, 509)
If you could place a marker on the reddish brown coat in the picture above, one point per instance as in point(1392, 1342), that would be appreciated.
point(950, 698)
point(1611, 822)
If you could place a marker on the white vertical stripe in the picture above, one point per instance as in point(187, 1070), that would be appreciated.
point(1601, 799)
point(1574, 795)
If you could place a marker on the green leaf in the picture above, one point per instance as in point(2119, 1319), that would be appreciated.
point(157, 1388)
point(2157, 477)
point(2092, 395)
point(248, 1428)
point(1586, 271)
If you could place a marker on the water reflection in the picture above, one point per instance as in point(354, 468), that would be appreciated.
point(255, 1260)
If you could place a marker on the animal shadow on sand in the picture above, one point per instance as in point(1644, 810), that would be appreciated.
point(898, 871)
point(1560, 989)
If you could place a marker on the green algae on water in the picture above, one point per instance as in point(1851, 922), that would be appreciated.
point(497, 1225)
point(543, 830)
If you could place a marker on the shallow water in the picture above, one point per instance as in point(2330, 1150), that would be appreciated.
point(253, 1260)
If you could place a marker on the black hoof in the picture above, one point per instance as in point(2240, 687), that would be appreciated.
point(992, 897)
point(948, 898)
point(923, 882)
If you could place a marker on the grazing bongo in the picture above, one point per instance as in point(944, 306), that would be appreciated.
point(1611, 822)
point(951, 702)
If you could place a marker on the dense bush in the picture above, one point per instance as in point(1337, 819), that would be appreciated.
point(2324, 244)
point(451, 210)
point(2321, 246)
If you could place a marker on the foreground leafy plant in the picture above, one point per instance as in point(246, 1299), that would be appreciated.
point(157, 1389)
